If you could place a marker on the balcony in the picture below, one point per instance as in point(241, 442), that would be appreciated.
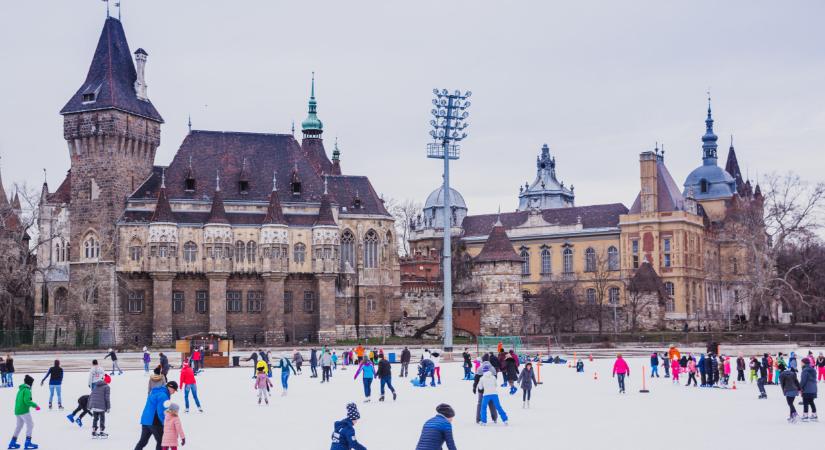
point(325, 266)
point(162, 264)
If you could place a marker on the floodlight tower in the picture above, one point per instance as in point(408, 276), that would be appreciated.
point(450, 115)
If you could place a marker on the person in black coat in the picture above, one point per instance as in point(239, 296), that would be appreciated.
point(468, 375)
point(762, 377)
point(495, 362)
point(164, 364)
point(313, 363)
point(510, 373)
point(384, 373)
point(405, 362)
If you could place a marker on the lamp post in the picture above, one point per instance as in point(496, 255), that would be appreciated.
point(448, 124)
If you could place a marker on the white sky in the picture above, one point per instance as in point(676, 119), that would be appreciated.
point(598, 81)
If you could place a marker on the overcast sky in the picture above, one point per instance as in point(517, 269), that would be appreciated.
point(597, 81)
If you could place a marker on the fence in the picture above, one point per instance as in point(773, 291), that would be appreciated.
point(667, 338)
point(15, 339)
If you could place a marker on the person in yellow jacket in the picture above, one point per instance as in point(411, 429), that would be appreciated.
point(264, 366)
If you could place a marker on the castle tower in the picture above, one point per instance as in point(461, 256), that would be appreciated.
point(112, 131)
point(312, 143)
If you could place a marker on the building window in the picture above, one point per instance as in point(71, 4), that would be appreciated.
point(233, 302)
point(254, 301)
point(239, 251)
point(202, 302)
point(190, 184)
point(299, 253)
point(612, 258)
point(736, 298)
point(591, 296)
point(91, 248)
point(163, 251)
point(177, 302)
point(666, 248)
point(371, 249)
point(613, 296)
point(703, 186)
point(91, 295)
point(546, 262)
point(347, 250)
point(309, 301)
point(190, 252)
point(135, 303)
point(590, 260)
point(251, 251)
point(670, 289)
point(525, 262)
point(567, 260)
point(60, 296)
point(287, 302)
point(371, 305)
point(135, 253)
point(734, 265)
point(670, 305)
point(634, 245)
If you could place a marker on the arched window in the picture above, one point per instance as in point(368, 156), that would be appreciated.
point(371, 249)
point(591, 296)
point(251, 251)
point(239, 251)
point(567, 260)
point(190, 252)
point(590, 260)
point(299, 252)
point(347, 249)
point(91, 247)
point(613, 295)
point(135, 252)
point(525, 262)
point(612, 258)
point(546, 263)
point(91, 295)
point(60, 296)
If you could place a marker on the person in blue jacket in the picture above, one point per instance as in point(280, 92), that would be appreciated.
point(368, 368)
point(343, 435)
point(151, 420)
point(55, 376)
point(438, 430)
point(285, 365)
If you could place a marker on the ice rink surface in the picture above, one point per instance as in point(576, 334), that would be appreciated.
point(569, 410)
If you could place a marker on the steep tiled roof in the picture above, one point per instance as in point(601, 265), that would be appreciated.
point(647, 280)
point(63, 194)
point(202, 217)
point(163, 212)
point(265, 154)
point(669, 196)
point(217, 214)
point(111, 78)
point(325, 216)
point(497, 247)
point(593, 216)
point(274, 213)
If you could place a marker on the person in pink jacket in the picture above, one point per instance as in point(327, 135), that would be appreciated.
point(726, 368)
point(620, 370)
point(691, 368)
point(172, 428)
point(674, 369)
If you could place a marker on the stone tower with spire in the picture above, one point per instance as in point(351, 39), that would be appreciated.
point(112, 131)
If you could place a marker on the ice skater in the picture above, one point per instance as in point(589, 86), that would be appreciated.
point(489, 384)
point(368, 369)
point(763, 377)
point(691, 371)
point(147, 358)
point(425, 369)
point(22, 412)
point(385, 376)
point(807, 384)
point(820, 367)
point(326, 366)
point(510, 373)
point(621, 370)
point(438, 430)
point(479, 390)
point(285, 367)
point(9, 365)
point(115, 366)
point(55, 376)
point(313, 363)
point(654, 365)
point(262, 386)
point(666, 364)
point(297, 360)
point(406, 356)
point(82, 408)
point(740, 368)
point(172, 427)
point(100, 404)
point(675, 368)
point(189, 384)
point(790, 388)
point(467, 364)
point(343, 432)
point(154, 414)
point(95, 374)
point(527, 379)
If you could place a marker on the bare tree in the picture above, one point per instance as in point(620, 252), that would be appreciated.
point(643, 292)
point(559, 306)
point(599, 276)
point(404, 212)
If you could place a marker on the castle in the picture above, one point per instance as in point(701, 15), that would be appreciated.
point(259, 237)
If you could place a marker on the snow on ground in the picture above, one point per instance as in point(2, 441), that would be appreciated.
point(569, 409)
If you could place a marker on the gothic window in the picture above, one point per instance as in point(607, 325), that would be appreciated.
point(546, 262)
point(190, 252)
point(239, 251)
point(613, 295)
point(371, 249)
point(309, 301)
point(287, 302)
point(371, 305)
point(135, 302)
point(567, 260)
point(634, 245)
point(251, 255)
point(612, 258)
point(233, 302)
point(525, 262)
point(666, 248)
point(135, 253)
point(254, 301)
point(60, 296)
point(202, 302)
point(590, 260)
point(243, 186)
point(347, 249)
point(163, 251)
point(44, 299)
point(91, 247)
point(91, 295)
point(299, 253)
point(177, 302)
point(591, 296)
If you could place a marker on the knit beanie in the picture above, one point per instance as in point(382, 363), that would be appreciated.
point(28, 380)
point(173, 407)
point(445, 410)
point(352, 412)
point(173, 385)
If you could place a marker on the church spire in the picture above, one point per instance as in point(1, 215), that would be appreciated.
point(217, 214)
point(709, 139)
point(312, 125)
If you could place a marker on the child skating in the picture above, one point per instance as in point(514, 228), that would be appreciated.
point(99, 405)
point(22, 412)
point(621, 370)
point(527, 379)
point(343, 433)
point(807, 384)
point(262, 386)
point(790, 388)
point(675, 368)
point(172, 428)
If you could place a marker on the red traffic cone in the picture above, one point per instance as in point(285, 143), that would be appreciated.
point(734, 386)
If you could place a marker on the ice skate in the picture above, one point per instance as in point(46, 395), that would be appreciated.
point(381, 398)
point(59, 407)
point(50, 406)
point(394, 396)
point(79, 422)
point(29, 444)
point(102, 435)
point(13, 443)
point(186, 410)
point(200, 410)
point(793, 418)
point(805, 417)
point(71, 418)
point(94, 434)
point(814, 418)
point(367, 400)
point(259, 402)
point(524, 405)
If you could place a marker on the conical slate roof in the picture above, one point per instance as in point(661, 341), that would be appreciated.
point(498, 247)
point(111, 78)
point(325, 216)
point(217, 214)
point(163, 211)
point(274, 212)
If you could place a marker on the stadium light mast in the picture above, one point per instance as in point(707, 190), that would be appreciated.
point(450, 115)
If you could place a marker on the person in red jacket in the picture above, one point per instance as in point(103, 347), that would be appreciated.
point(621, 370)
point(197, 358)
point(188, 383)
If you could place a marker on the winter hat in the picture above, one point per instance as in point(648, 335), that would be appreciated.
point(107, 379)
point(110, 350)
point(144, 349)
point(352, 412)
point(28, 380)
point(173, 385)
point(170, 406)
point(445, 410)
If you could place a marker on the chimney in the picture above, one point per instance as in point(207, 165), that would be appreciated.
point(140, 83)
point(648, 173)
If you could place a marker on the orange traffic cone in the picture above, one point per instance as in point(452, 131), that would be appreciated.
point(734, 386)
point(595, 375)
point(569, 364)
